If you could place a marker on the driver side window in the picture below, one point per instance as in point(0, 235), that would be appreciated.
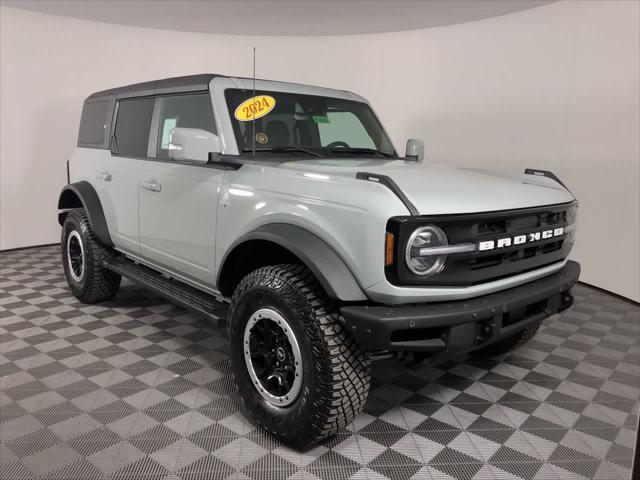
point(343, 127)
point(186, 111)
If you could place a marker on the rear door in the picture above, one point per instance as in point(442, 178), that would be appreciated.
point(117, 179)
point(179, 199)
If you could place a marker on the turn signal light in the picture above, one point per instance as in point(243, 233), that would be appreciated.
point(388, 249)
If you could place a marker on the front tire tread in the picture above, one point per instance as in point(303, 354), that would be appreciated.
point(343, 367)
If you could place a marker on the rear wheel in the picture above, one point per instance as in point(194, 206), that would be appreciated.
point(82, 257)
point(297, 369)
point(510, 343)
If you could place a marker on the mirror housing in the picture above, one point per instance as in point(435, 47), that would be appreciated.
point(193, 144)
point(414, 151)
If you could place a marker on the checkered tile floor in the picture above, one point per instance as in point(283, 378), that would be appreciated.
point(139, 388)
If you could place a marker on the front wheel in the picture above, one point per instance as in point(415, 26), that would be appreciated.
point(297, 369)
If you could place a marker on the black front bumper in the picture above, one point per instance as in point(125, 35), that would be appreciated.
point(461, 325)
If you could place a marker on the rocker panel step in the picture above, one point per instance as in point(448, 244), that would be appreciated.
point(177, 292)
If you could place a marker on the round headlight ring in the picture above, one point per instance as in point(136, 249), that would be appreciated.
point(438, 265)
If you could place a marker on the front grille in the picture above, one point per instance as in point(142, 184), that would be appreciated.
point(485, 266)
point(488, 261)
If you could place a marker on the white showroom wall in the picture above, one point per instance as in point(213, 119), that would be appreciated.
point(554, 87)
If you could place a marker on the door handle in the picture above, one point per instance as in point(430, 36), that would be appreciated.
point(151, 185)
point(105, 177)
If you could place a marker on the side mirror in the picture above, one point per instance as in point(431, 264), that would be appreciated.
point(193, 144)
point(415, 151)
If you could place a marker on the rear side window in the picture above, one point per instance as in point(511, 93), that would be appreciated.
point(133, 122)
point(182, 111)
point(93, 124)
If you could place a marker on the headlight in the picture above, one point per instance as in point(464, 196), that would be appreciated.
point(425, 237)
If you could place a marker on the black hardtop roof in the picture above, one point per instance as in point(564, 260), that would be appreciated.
point(187, 83)
point(165, 85)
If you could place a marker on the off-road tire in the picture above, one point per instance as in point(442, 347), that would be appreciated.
point(336, 371)
point(97, 283)
point(510, 343)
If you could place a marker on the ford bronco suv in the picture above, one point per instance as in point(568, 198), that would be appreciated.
point(291, 203)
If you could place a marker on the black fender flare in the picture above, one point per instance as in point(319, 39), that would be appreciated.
point(90, 201)
point(331, 271)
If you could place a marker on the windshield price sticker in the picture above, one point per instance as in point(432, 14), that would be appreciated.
point(254, 107)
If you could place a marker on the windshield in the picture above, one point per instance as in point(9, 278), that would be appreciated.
point(305, 125)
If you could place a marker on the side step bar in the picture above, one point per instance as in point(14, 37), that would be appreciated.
point(177, 292)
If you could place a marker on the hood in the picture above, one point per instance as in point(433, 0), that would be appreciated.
point(441, 189)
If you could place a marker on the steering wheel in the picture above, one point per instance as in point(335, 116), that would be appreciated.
point(338, 144)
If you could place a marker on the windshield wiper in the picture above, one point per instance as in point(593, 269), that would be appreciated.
point(288, 148)
point(364, 151)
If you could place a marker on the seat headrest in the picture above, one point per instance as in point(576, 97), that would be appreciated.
point(278, 133)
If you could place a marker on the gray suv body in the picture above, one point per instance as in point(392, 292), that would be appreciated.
point(291, 203)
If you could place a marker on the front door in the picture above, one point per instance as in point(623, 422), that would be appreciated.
point(179, 200)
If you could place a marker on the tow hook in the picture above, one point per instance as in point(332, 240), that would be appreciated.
point(483, 332)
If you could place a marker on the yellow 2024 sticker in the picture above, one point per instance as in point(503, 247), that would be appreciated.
point(254, 107)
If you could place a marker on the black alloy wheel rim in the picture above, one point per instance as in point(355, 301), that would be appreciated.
point(273, 358)
point(75, 256)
